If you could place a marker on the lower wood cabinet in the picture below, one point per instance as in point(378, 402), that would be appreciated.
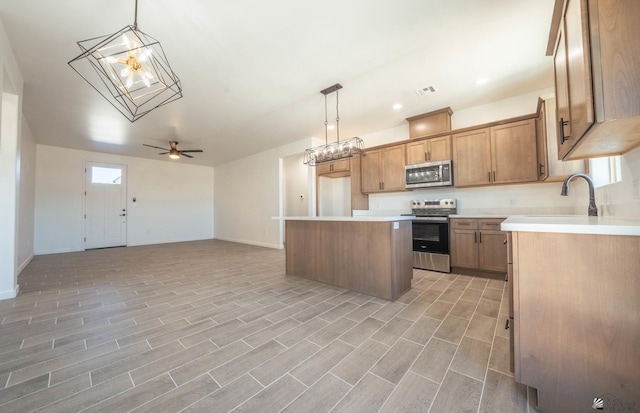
point(576, 324)
point(478, 243)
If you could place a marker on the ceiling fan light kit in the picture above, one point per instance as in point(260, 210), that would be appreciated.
point(335, 150)
point(173, 152)
point(129, 69)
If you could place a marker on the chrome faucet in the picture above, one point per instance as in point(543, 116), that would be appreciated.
point(593, 209)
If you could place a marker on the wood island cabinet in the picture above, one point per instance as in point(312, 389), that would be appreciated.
point(429, 150)
point(576, 310)
point(596, 55)
point(478, 243)
point(500, 154)
point(383, 170)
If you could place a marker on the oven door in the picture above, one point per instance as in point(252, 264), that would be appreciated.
point(431, 234)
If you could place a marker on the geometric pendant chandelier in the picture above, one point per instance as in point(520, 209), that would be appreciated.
point(333, 151)
point(129, 69)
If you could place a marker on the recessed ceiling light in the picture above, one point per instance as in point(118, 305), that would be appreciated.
point(482, 81)
point(397, 106)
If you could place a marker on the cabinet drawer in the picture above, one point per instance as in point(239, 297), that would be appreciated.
point(492, 224)
point(464, 223)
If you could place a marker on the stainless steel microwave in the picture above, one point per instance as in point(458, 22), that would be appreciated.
point(427, 175)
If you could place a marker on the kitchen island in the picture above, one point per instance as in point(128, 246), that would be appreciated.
point(366, 254)
point(576, 310)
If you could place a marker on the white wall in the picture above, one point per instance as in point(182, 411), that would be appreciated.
point(174, 199)
point(621, 199)
point(296, 186)
point(26, 201)
point(11, 86)
point(334, 196)
point(248, 195)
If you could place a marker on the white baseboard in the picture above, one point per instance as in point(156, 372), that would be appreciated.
point(6, 295)
point(164, 241)
point(24, 264)
point(258, 244)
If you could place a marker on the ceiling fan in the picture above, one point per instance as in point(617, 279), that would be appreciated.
point(174, 153)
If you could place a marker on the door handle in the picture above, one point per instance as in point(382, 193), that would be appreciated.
point(563, 123)
point(475, 237)
point(541, 170)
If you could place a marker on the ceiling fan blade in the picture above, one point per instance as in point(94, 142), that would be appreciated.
point(163, 153)
point(156, 147)
point(192, 150)
point(184, 154)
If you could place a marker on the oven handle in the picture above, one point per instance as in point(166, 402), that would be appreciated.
point(431, 219)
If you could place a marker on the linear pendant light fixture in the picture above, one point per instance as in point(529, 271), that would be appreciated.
point(130, 70)
point(335, 150)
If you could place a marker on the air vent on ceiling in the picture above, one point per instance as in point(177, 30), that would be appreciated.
point(427, 90)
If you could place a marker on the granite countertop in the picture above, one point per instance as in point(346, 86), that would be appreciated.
point(356, 218)
point(572, 224)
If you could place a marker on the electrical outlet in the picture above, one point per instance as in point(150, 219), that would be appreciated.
point(636, 188)
point(513, 202)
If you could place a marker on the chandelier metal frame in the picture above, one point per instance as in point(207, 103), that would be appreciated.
point(335, 150)
point(129, 69)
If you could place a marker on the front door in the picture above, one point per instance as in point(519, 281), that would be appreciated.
point(105, 214)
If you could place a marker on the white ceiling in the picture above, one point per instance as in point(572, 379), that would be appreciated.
point(252, 70)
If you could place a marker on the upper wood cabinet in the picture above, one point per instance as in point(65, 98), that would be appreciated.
point(428, 150)
point(596, 58)
point(472, 158)
point(500, 154)
point(513, 152)
point(334, 167)
point(430, 123)
point(383, 170)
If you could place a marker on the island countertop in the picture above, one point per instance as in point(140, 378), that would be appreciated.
point(572, 224)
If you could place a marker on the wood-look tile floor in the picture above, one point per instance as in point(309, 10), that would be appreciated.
point(213, 326)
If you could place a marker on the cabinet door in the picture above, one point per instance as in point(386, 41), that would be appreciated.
point(370, 168)
point(472, 158)
point(492, 251)
point(464, 248)
point(563, 116)
point(439, 149)
point(513, 152)
point(392, 169)
point(541, 143)
point(576, 31)
point(416, 152)
point(341, 166)
point(323, 168)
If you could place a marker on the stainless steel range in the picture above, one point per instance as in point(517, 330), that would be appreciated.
point(431, 233)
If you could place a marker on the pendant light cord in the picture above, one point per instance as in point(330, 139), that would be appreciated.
point(326, 124)
point(337, 119)
point(135, 17)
